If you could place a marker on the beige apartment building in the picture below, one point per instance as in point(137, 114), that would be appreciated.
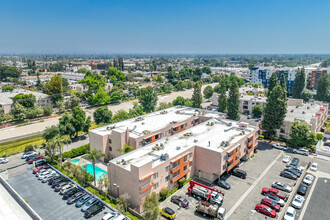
point(169, 145)
point(313, 113)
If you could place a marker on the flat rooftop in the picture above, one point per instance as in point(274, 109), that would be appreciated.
point(7, 97)
point(141, 126)
point(215, 134)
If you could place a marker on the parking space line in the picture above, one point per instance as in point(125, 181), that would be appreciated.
point(253, 185)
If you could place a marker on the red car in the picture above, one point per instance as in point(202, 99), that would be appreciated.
point(274, 192)
point(37, 169)
point(271, 204)
point(35, 159)
point(265, 210)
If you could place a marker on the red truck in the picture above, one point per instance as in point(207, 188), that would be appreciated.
point(274, 192)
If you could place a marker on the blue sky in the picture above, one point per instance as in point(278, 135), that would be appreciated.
point(165, 26)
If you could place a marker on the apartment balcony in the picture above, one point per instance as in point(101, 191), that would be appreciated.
point(176, 178)
point(146, 176)
point(144, 189)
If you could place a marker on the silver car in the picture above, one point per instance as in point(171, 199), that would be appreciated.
point(88, 204)
point(282, 186)
point(301, 151)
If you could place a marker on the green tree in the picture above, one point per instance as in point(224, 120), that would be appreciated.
point(80, 122)
point(217, 88)
point(57, 143)
point(75, 100)
point(208, 92)
point(306, 95)
point(116, 96)
point(27, 100)
point(48, 110)
point(66, 125)
point(319, 136)
point(257, 110)
point(122, 202)
point(121, 115)
point(274, 111)
point(322, 92)
point(299, 84)
point(222, 98)
point(7, 72)
point(272, 82)
point(18, 111)
point(102, 115)
point(283, 84)
point(65, 85)
point(163, 193)
point(94, 155)
point(148, 99)
point(8, 88)
point(150, 206)
point(50, 132)
point(136, 110)
point(300, 135)
point(233, 101)
point(56, 67)
point(197, 96)
point(179, 101)
point(54, 88)
point(60, 106)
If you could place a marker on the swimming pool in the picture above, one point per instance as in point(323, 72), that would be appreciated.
point(75, 160)
point(98, 171)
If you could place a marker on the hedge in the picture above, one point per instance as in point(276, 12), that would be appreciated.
point(75, 152)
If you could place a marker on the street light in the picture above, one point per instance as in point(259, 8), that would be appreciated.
point(117, 186)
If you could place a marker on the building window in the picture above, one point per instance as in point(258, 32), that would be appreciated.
point(225, 157)
point(185, 158)
point(156, 186)
point(224, 166)
point(238, 156)
point(156, 175)
point(167, 178)
point(140, 143)
point(190, 155)
point(176, 173)
point(185, 168)
point(110, 142)
point(190, 165)
point(110, 148)
point(161, 135)
point(175, 164)
point(167, 168)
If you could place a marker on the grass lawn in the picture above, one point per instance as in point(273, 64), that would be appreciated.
point(17, 146)
point(94, 125)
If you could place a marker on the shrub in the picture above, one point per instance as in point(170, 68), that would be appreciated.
point(75, 152)
point(319, 136)
point(48, 110)
point(163, 192)
point(28, 148)
point(187, 181)
point(181, 182)
point(172, 192)
point(261, 136)
point(252, 155)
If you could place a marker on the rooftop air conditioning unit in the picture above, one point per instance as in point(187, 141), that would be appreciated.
point(195, 140)
point(178, 147)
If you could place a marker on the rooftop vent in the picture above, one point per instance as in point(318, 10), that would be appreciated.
point(195, 140)
point(139, 119)
point(173, 122)
point(163, 112)
point(111, 127)
point(178, 148)
point(303, 112)
point(146, 132)
point(297, 106)
point(308, 107)
point(164, 156)
point(292, 110)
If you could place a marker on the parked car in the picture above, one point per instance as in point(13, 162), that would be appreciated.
point(265, 210)
point(282, 186)
point(314, 166)
point(47, 177)
point(70, 193)
point(35, 159)
point(110, 216)
point(40, 162)
point(74, 198)
point(26, 154)
point(294, 162)
point(4, 160)
point(168, 212)
point(288, 175)
point(290, 214)
point(293, 171)
point(223, 184)
point(93, 210)
point(274, 192)
point(179, 200)
point(37, 169)
point(30, 157)
point(88, 204)
point(59, 186)
point(308, 180)
point(301, 151)
point(46, 173)
point(50, 181)
point(57, 181)
point(296, 168)
point(275, 199)
point(280, 147)
point(286, 159)
point(41, 172)
point(66, 188)
point(302, 190)
point(238, 172)
point(271, 204)
point(297, 202)
point(82, 200)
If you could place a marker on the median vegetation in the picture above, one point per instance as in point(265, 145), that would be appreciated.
point(18, 146)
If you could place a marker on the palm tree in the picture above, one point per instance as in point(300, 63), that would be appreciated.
point(58, 142)
point(94, 155)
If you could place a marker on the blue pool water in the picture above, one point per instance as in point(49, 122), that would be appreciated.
point(75, 160)
point(98, 171)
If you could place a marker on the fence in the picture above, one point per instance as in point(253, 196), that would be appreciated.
point(20, 200)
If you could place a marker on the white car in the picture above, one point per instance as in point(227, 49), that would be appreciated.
point(64, 188)
point(4, 160)
point(275, 199)
point(286, 159)
point(280, 147)
point(110, 216)
point(297, 202)
point(45, 174)
point(308, 180)
point(25, 155)
point(314, 166)
point(301, 151)
point(282, 186)
point(41, 172)
point(290, 214)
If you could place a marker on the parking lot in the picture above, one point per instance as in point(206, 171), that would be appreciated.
point(42, 198)
point(262, 170)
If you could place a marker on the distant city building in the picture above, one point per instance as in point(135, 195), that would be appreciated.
point(32, 80)
point(175, 143)
point(313, 75)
